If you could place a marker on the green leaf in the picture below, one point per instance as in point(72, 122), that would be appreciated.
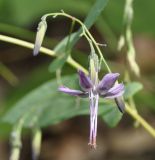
point(58, 63)
point(95, 11)
point(93, 14)
point(46, 106)
point(131, 89)
point(112, 115)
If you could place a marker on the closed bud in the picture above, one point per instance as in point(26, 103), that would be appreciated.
point(36, 143)
point(93, 65)
point(41, 30)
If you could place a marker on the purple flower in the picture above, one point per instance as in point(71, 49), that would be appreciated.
point(93, 88)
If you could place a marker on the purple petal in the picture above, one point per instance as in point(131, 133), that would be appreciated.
point(73, 92)
point(114, 92)
point(120, 104)
point(84, 81)
point(107, 82)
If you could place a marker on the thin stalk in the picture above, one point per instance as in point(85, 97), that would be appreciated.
point(76, 65)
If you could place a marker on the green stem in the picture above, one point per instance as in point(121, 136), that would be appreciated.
point(76, 65)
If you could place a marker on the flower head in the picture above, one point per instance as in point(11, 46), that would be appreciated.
point(106, 88)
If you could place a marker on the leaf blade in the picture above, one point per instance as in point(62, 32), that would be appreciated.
point(131, 89)
point(112, 116)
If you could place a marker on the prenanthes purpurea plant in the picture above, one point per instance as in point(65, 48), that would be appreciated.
point(76, 65)
point(90, 85)
point(91, 93)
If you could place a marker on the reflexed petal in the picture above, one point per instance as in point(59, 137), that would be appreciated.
point(107, 82)
point(73, 92)
point(84, 81)
point(42, 26)
point(120, 104)
point(114, 92)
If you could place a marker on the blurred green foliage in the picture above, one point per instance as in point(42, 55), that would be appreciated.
point(26, 13)
point(33, 101)
point(41, 103)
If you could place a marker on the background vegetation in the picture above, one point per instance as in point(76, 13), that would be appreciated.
point(29, 97)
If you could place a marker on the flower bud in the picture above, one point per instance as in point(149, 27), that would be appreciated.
point(36, 143)
point(42, 26)
point(93, 65)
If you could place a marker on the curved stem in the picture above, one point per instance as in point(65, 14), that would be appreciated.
point(84, 30)
point(76, 65)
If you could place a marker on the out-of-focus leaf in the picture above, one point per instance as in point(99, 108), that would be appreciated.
point(139, 24)
point(111, 115)
point(95, 11)
point(46, 106)
point(57, 63)
point(131, 89)
point(23, 13)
